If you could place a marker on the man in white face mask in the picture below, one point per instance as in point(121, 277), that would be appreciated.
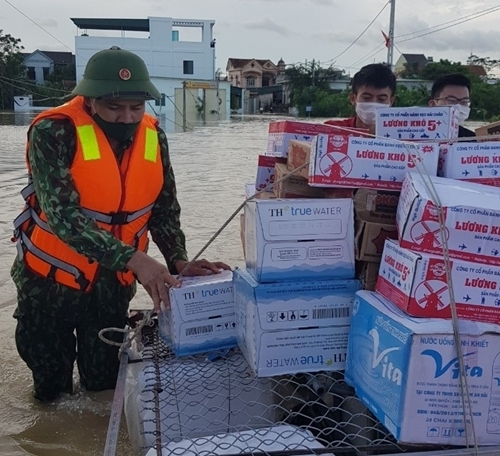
point(454, 89)
point(372, 87)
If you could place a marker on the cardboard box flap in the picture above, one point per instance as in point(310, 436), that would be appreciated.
point(305, 219)
point(424, 325)
point(457, 193)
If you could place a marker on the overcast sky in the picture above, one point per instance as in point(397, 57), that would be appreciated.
point(295, 30)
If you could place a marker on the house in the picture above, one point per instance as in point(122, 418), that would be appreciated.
point(179, 54)
point(39, 64)
point(412, 63)
point(478, 70)
point(255, 84)
point(252, 73)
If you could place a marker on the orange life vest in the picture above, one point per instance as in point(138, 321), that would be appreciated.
point(118, 196)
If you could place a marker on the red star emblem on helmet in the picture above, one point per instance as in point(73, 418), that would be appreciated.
point(125, 74)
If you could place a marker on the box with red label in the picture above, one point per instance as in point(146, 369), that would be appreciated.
point(299, 153)
point(417, 123)
point(417, 284)
point(265, 172)
point(475, 162)
point(283, 131)
point(377, 206)
point(370, 238)
point(471, 218)
point(340, 161)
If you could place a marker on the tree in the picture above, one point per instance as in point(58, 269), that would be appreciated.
point(487, 63)
point(434, 70)
point(11, 69)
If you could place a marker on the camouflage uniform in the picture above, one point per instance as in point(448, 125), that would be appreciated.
point(48, 313)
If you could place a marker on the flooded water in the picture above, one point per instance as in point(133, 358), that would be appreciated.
point(212, 163)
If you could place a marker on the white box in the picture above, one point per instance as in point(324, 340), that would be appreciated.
point(294, 239)
point(477, 162)
point(368, 163)
point(417, 123)
point(405, 370)
point(201, 315)
point(282, 131)
point(471, 213)
point(417, 284)
point(290, 327)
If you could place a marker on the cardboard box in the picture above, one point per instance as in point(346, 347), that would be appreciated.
point(474, 162)
point(293, 186)
point(299, 153)
point(285, 328)
point(405, 371)
point(471, 218)
point(417, 123)
point(417, 283)
point(282, 132)
point(492, 129)
point(250, 191)
point(370, 239)
point(367, 274)
point(299, 239)
point(201, 315)
point(368, 163)
point(265, 172)
point(377, 206)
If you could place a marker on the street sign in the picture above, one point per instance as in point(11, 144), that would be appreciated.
point(200, 84)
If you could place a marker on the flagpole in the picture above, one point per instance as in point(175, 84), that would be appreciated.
point(390, 49)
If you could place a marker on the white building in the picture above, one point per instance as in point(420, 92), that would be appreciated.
point(175, 51)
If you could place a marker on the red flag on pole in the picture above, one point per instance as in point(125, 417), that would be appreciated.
point(387, 39)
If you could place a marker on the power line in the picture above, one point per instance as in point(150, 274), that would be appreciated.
point(449, 26)
point(495, 8)
point(361, 34)
point(38, 25)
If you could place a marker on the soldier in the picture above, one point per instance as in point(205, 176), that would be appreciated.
point(100, 179)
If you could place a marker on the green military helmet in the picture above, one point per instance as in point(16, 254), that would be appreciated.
point(116, 73)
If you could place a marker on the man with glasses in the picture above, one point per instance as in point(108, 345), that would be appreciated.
point(453, 90)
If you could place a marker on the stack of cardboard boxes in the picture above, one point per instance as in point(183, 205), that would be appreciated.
point(402, 356)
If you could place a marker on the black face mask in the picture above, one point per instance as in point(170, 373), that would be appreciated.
point(119, 131)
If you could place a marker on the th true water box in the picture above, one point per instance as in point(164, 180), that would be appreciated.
point(299, 239)
point(201, 315)
point(406, 371)
point(290, 327)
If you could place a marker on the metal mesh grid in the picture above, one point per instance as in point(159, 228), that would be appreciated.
point(199, 406)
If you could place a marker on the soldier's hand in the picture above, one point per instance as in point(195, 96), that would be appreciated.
point(154, 277)
point(200, 267)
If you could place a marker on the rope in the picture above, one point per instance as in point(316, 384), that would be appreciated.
point(136, 332)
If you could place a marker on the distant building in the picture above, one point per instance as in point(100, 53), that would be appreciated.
point(478, 70)
point(39, 64)
point(251, 73)
point(176, 51)
point(411, 63)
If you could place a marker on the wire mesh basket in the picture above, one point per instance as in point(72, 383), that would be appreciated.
point(214, 405)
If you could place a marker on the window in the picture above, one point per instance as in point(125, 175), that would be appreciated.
point(188, 67)
point(161, 101)
point(31, 73)
point(250, 81)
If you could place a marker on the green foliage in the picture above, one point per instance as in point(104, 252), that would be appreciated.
point(11, 68)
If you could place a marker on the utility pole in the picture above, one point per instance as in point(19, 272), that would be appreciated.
point(390, 49)
point(313, 72)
